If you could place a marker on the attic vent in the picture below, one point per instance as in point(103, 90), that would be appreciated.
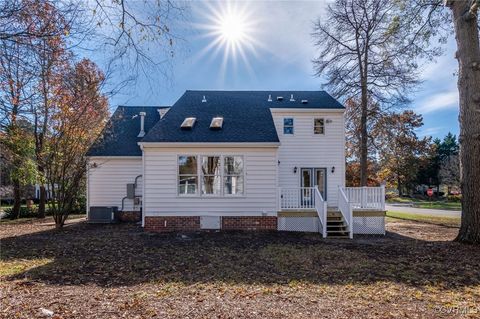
point(291, 98)
point(304, 101)
point(188, 123)
point(204, 100)
point(269, 98)
point(163, 111)
point(279, 98)
point(217, 123)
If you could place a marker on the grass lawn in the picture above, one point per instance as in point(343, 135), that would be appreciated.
point(420, 203)
point(442, 221)
point(118, 271)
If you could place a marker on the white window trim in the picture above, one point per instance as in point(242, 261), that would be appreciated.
point(197, 191)
point(283, 125)
point(200, 175)
point(324, 126)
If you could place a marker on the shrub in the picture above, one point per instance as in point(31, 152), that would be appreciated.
point(454, 198)
point(25, 212)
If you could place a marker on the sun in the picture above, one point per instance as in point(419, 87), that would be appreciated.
point(231, 28)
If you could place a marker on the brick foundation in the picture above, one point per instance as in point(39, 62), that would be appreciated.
point(131, 217)
point(249, 223)
point(192, 223)
point(172, 223)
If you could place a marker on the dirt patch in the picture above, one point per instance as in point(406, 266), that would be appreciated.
point(118, 271)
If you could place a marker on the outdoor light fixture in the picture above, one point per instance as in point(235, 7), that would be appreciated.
point(295, 170)
point(333, 169)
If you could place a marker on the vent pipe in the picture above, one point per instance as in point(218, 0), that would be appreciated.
point(291, 98)
point(142, 124)
point(269, 98)
point(204, 100)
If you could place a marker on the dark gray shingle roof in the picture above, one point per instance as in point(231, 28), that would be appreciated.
point(247, 119)
point(247, 116)
point(119, 137)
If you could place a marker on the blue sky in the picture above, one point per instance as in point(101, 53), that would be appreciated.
point(277, 57)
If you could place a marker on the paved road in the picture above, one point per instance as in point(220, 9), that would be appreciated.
point(424, 211)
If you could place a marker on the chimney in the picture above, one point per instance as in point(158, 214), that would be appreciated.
point(142, 124)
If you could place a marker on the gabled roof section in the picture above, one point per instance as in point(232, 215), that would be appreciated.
point(119, 137)
point(246, 119)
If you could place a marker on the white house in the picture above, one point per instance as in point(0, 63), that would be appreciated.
point(257, 160)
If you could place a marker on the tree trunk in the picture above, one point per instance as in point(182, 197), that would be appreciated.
point(364, 137)
point(468, 55)
point(16, 199)
point(42, 201)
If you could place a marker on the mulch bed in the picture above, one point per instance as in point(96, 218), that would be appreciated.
point(119, 271)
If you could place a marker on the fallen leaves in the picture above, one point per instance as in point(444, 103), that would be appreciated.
point(118, 271)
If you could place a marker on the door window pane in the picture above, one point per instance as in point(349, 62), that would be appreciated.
point(321, 181)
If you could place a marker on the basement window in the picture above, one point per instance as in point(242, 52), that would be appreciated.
point(188, 123)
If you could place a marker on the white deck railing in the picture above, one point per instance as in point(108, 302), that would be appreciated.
point(345, 208)
point(297, 198)
point(321, 208)
point(365, 197)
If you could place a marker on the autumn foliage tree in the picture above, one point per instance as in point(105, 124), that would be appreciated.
point(79, 112)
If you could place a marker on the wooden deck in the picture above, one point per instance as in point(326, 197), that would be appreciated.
point(331, 211)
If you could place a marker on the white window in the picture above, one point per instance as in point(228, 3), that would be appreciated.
point(318, 126)
point(288, 125)
point(233, 175)
point(211, 175)
point(187, 175)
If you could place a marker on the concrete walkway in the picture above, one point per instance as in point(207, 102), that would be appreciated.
point(424, 211)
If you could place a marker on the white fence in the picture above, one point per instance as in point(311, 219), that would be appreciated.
point(321, 208)
point(345, 208)
point(366, 197)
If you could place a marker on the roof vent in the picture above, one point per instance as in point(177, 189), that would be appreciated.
point(204, 100)
point(291, 98)
point(304, 101)
point(163, 111)
point(142, 124)
point(217, 123)
point(269, 98)
point(188, 123)
point(279, 98)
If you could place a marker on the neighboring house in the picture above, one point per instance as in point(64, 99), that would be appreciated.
point(232, 160)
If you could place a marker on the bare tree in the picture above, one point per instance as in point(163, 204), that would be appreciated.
point(450, 172)
point(368, 52)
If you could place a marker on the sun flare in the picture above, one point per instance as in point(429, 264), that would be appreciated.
point(232, 29)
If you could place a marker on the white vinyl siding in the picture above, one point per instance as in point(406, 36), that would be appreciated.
point(161, 196)
point(107, 183)
point(308, 150)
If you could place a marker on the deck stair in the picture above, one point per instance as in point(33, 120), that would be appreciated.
point(336, 226)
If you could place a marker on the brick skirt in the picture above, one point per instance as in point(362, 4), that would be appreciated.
point(192, 223)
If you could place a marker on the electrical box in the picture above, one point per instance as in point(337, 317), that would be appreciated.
point(209, 222)
point(130, 191)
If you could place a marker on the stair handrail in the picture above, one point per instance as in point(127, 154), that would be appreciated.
point(345, 209)
point(321, 208)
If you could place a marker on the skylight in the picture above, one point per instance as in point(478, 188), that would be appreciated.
point(188, 123)
point(217, 123)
